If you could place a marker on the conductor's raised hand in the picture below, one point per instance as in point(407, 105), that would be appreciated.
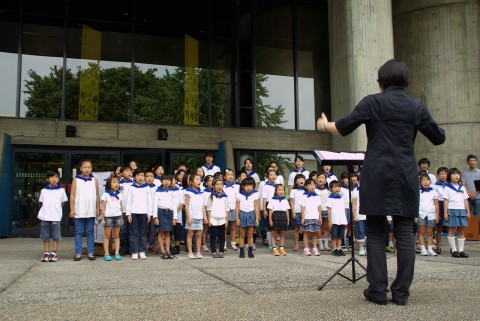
point(321, 123)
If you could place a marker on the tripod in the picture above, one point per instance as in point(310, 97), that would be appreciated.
point(352, 259)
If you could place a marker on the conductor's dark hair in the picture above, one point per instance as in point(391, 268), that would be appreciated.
point(393, 73)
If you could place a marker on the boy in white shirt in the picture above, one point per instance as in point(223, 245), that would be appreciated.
point(52, 197)
point(337, 221)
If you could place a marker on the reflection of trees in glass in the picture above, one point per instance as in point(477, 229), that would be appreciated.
point(190, 161)
point(157, 100)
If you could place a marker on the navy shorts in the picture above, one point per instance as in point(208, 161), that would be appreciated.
point(426, 222)
point(50, 230)
point(337, 232)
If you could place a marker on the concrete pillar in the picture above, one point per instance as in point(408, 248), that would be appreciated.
point(440, 42)
point(361, 40)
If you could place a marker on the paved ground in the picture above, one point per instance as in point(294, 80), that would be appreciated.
point(263, 288)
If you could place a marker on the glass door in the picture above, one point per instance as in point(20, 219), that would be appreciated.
point(144, 158)
point(28, 180)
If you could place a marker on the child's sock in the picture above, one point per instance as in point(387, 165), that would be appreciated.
point(390, 243)
point(461, 244)
point(422, 247)
point(451, 242)
point(430, 248)
point(242, 249)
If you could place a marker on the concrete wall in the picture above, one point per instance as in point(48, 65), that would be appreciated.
point(361, 40)
point(440, 42)
point(124, 135)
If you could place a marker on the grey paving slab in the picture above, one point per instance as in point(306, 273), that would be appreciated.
point(263, 288)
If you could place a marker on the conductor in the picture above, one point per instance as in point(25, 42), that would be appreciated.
point(389, 176)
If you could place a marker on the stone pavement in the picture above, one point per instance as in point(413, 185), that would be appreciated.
point(263, 288)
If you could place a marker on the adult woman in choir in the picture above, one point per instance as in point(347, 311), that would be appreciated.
point(389, 174)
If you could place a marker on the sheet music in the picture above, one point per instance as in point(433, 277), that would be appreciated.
point(334, 156)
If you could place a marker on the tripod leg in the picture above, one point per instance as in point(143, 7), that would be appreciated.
point(333, 275)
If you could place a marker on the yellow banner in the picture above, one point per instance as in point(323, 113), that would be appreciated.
point(88, 103)
point(191, 108)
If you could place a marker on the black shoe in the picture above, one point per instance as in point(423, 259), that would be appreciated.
point(242, 254)
point(370, 298)
point(438, 250)
point(176, 250)
point(463, 254)
point(455, 254)
point(250, 254)
point(341, 253)
point(335, 253)
point(398, 302)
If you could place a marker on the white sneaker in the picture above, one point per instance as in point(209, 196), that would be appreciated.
point(361, 252)
point(327, 248)
point(234, 246)
point(134, 256)
point(199, 256)
point(423, 252)
point(191, 256)
point(143, 256)
point(254, 246)
point(225, 246)
point(320, 246)
point(432, 252)
point(205, 248)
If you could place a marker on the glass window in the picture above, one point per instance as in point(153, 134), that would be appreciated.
point(42, 61)
point(8, 66)
point(274, 67)
point(313, 63)
point(99, 62)
point(28, 180)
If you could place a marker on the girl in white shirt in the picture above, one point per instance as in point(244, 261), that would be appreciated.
point(296, 195)
point(428, 215)
point(84, 207)
point(456, 211)
point(112, 216)
point(278, 208)
point(218, 208)
point(247, 211)
point(195, 215)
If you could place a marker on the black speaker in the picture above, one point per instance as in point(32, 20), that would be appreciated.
point(70, 131)
point(162, 134)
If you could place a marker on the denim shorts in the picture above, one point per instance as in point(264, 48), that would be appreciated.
point(113, 221)
point(297, 222)
point(247, 219)
point(50, 230)
point(197, 225)
point(337, 232)
point(232, 217)
point(426, 222)
point(361, 230)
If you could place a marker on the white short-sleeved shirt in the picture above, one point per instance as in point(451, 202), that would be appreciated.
point(177, 194)
point(231, 191)
point(356, 195)
point(278, 204)
point(345, 196)
point(52, 200)
point(124, 187)
point(268, 191)
point(218, 207)
point(337, 210)
point(324, 194)
point(196, 203)
point(297, 195)
point(280, 180)
point(433, 179)
point(163, 198)
point(247, 201)
point(113, 206)
point(255, 176)
point(210, 170)
point(291, 177)
point(311, 204)
point(456, 196)
point(439, 187)
point(427, 203)
point(206, 194)
point(330, 178)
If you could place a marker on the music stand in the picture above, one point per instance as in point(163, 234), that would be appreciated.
point(348, 159)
